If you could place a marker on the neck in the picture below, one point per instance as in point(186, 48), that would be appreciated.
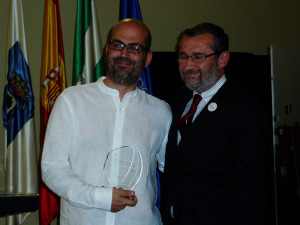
point(222, 72)
point(123, 89)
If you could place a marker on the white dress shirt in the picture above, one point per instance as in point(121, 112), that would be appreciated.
point(206, 96)
point(86, 123)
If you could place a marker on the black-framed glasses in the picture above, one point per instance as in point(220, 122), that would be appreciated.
point(196, 57)
point(131, 48)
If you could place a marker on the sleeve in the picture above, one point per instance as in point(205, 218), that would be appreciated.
point(250, 148)
point(162, 152)
point(56, 170)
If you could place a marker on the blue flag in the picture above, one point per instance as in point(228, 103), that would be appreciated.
point(131, 9)
point(18, 107)
point(20, 158)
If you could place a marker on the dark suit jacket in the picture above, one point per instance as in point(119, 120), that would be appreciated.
point(217, 173)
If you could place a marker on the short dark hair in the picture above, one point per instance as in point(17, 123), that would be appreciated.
point(220, 43)
point(130, 20)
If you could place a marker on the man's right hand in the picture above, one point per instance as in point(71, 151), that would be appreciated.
point(122, 198)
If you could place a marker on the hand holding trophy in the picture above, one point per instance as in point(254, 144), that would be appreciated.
point(123, 168)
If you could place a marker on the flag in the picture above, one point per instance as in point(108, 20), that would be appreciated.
point(53, 82)
point(131, 9)
point(88, 65)
point(20, 156)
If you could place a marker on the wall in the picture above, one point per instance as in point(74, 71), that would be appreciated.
point(285, 76)
point(252, 25)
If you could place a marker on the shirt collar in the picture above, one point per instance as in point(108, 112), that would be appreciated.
point(112, 91)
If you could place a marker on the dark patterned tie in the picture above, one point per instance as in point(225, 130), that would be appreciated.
point(184, 122)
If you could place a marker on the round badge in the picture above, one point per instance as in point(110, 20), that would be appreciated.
point(212, 106)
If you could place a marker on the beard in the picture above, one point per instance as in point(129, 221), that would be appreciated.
point(204, 81)
point(124, 75)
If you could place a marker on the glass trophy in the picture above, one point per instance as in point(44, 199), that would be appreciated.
point(123, 168)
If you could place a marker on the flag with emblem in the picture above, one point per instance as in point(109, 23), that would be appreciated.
point(53, 82)
point(20, 156)
point(88, 65)
point(131, 9)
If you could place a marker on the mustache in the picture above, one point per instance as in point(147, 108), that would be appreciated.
point(123, 60)
point(187, 71)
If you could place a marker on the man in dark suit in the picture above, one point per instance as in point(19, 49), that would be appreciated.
point(215, 171)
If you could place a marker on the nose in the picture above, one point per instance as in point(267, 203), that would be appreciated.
point(124, 51)
point(190, 59)
point(189, 63)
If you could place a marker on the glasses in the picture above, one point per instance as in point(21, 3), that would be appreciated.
point(131, 48)
point(196, 57)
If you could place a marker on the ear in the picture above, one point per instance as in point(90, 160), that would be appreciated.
point(223, 59)
point(148, 59)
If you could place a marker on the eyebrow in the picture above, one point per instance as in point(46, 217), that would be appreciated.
point(192, 53)
point(133, 43)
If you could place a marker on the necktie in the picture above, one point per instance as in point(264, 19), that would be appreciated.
point(185, 121)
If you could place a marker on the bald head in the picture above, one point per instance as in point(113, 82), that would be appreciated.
point(132, 23)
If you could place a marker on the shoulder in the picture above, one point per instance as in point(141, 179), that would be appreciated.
point(182, 93)
point(236, 94)
point(180, 98)
point(80, 89)
point(156, 104)
point(240, 103)
point(77, 96)
point(83, 91)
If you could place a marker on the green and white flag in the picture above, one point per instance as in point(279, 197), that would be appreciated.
point(87, 60)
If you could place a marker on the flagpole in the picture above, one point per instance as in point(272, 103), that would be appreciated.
point(20, 156)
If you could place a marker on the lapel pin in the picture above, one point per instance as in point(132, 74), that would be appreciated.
point(212, 107)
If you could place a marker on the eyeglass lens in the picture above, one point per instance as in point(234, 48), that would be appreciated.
point(132, 48)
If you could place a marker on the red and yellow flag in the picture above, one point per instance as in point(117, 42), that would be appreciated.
point(53, 82)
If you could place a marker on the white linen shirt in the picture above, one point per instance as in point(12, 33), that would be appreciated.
point(86, 123)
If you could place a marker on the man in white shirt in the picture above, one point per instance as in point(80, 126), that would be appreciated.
point(89, 121)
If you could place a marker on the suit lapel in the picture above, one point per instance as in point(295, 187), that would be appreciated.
point(219, 100)
point(180, 106)
point(177, 108)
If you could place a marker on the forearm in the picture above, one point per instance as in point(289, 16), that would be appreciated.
point(61, 180)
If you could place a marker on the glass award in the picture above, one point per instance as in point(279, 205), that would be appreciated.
point(123, 168)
